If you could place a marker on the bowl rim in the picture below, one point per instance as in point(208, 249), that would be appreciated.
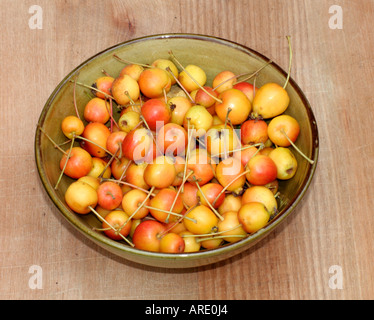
point(230, 247)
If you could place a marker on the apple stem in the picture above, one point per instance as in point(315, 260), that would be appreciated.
point(178, 192)
point(297, 149)
point(92, 88)
point(207, 201)
point(256, 72)
point(180, 85)
point(130, 62)
point(66, 162)
point(211, 234)
point(106, 73)
point(224, 132)
point(260, 144)
point(114, 229)
point(108, 164)
point(229, 184)
point(75, 97)
point(172, 213)
point(192, 78)
point(124, 170)
point(129, 184)
point(189, 136)
point(50, 139)
point(110, 110)
point(289, 67)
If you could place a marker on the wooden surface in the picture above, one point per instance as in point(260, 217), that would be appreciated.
point(332, 226)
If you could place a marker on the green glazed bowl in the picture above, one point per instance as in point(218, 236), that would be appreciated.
point(213, 55)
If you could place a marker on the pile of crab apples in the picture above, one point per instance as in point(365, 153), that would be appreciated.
point(169, 163)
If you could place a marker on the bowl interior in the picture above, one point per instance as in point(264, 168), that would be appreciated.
point(213, 55)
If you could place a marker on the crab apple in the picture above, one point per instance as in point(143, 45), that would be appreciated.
point(270, 101)
point(178, 107)
point(125, 89)
point(204, 99)
point(153, 82)
point(205, 220)
point(134, 224)
point(254, 131)
point(129, 120)
point(132, 70)
point(164, 201)
point(114, 141)
point(80, 196)
point(210, 192)
point(172, 243)
point(165, 64)
point(231, 228)
point(79, 163)
point(220, 139)
point(189, 194)
point(253, 216)
point(199, 119)
point(137, 144)
point(262, 170)
point(118, 167)
point(245, 154)
point(160, 173)
point(172, 139)
point(237, 102)
point(103, 84)
point(119, 220)
point(97, 133)
point(223, 81)
point(231, 202)
point(230, 174)
point(282, 126)
point(191, 245)
point(156, 113)
point(92, 181)
point(72, 125)
point(131, 202)
point(176, 227)
point(285, 162)
point(247, 88)
point(200, 163)
point(147, 235)
point(192, 72)
point(263, 195)
point(109, 195)
point(100, 167)
point(211, 242)
point(135, 175)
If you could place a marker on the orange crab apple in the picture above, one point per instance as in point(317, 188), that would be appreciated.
point(253, 216)
point(198, 119)
point(104, 84)
point(125, 89)
point(165, 64)
point(245, 154)
point(254, 131)
point(79, 163)
point(231, 228)
point(100, 167)
point(137, 144)
point(172, 139)
point(132, 70)
point(210, 192)
point(80, 196)
point(119, 221)
point(189, 194)
point(220, 139)
point(172, 243)
point(118, 166)
point(72, 125)
point(203, 220)
point(263, 195)
point(97, 133)
point(147, 235)
point(230, 174)
point(131, 202)
point(164, 201)
point(135, 175)
point(262, 170)
point(234, 105)
point(114, 141)
point(281, 127)
point(153, 82)
point(178, 107)
point(109, 195)
point(160, 173)
point(204, 99)
point(156, 113)
point(223, 81)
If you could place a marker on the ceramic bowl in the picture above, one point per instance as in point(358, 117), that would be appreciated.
point(214, 55)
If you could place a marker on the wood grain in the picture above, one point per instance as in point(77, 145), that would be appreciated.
point(333, 225)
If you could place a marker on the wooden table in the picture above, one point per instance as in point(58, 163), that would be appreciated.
point(324, 251)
